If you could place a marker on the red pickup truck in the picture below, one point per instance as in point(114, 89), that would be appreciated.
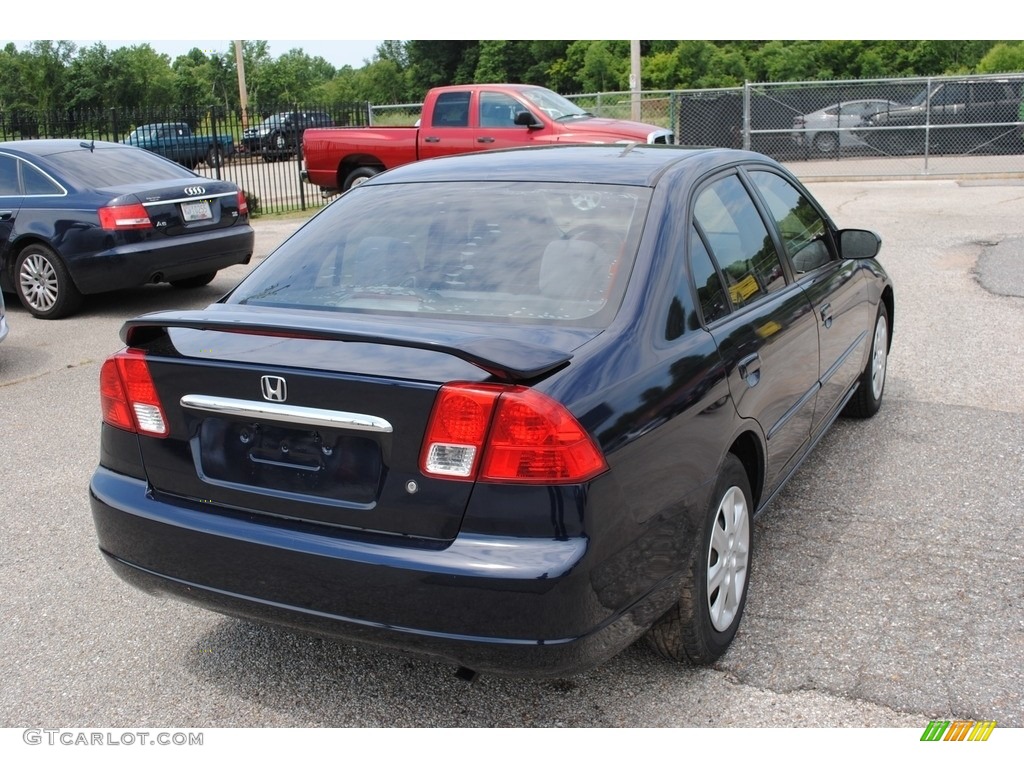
point(458, 119)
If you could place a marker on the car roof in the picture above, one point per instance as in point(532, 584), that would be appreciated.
point(43, 147)
point(629, 164)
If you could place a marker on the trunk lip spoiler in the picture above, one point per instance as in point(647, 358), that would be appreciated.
point(506, 359)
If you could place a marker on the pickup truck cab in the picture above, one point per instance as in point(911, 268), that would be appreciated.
point(177, 142)
point(460, 119)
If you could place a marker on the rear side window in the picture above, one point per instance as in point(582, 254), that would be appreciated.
point(451, 110)
point(501, 251)
point(739, 241)
point(38, 183)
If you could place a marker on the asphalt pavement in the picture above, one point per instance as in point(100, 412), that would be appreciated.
point(887, 582)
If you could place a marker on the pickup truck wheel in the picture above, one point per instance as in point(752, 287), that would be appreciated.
point(44, 286)
point(358, 176)
point(215, 157)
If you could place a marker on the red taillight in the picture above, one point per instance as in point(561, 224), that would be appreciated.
point(125, 217)
point(506, 434)
point(128, 397)
point(243, 204)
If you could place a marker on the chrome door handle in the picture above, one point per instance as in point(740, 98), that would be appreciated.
point(750, 369)
point(826, 315)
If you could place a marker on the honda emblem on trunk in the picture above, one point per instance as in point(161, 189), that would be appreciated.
point(274, 389)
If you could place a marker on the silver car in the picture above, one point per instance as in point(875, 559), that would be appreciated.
point(828, 129)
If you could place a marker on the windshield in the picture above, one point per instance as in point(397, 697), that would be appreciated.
point(553, 105)
point(517, 252)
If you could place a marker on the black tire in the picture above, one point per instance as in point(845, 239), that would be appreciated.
point(826, 143)
point(215, 157)
point(700, 626)
point(278, 147)
point(868, 398)
point(195, 282)
point(43, 284)
point(358, 176)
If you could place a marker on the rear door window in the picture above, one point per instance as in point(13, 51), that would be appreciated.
point(451, 110)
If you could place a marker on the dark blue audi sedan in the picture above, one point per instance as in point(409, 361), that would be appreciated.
point(83, 217)
point(514, 410)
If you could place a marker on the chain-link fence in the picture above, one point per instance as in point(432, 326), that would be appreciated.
point(905, 127)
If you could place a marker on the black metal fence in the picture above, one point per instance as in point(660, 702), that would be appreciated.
point(260, 151)
point(953, 126)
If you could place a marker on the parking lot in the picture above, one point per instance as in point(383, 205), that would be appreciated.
point(887, 583)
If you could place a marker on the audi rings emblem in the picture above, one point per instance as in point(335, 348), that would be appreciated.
point(195, 190)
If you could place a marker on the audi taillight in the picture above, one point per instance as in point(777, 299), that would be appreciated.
point(125, 217)
point(128, 397)
point(506, 434)
point(243, 204)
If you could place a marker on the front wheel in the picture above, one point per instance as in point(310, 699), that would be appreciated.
point(44, 286)
point(700, 626)
point(868, 398)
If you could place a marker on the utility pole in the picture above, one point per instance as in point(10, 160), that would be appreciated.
point(634, 76)
point(243, 93)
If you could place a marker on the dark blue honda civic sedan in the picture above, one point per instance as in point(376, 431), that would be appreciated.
point(514, 410)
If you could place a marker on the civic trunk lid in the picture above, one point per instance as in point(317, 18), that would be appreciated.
point(309, 424)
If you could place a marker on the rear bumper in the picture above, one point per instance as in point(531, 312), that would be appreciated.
point(512, 606)
point(129, 266)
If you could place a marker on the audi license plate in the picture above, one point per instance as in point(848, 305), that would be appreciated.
point(197, 211)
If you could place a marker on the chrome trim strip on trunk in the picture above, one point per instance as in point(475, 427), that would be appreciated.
point(189, 199)
point(292, 414)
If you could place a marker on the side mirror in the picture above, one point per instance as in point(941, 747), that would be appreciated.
point(527, 119)
point(858, 244)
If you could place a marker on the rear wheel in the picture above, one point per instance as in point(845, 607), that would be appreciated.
point(701, 625)
point(44, 286)
point(358, 176)
point(195, 282)
point(215, 157)
point(826, 143)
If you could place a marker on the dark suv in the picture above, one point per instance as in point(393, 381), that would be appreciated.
point(956, 116)
point(279, 136)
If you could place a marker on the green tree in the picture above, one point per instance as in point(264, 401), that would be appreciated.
point(1003, 57)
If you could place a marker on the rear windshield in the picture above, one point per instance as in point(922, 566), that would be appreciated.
point(114, 166)
point(521, 252)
